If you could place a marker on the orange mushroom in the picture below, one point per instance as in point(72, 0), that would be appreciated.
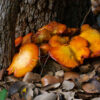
point(45, 48)
point(64, 55)
point(70, 55)
point(42, 36)
point(55, 27)
point(72, 31)
point(18, 41)
point(61, 52)
point(84, 27)
point(80, 48)
point(23, 40)
point(25, 60)
point(93, 37)
point(27, 38)
point(58, 40)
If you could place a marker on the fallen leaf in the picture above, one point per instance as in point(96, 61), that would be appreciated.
point(48, 80)
point(60, 96)
point(86, 77)
point(85, 68)
point(11, 79)
point(96, 98)
point(27, 92)
point(69, 95)
point(14, 88)
point(15, 97)
point(52, 86)
point(37, 91)
point(3, 94)
point(46, 96)
point(59, 73)
point(51, 67)
point(31, 77)
point(71, 76)
point(95, 6)
point(83, 95)
point(68, 85)
point(90, 88)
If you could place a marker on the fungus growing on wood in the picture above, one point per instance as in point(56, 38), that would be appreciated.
point(25, 60)
point(55, 28)
point(58, 40)
point(27, 38)
point(64, 55)
point(93, 37)
point(42, 36)
point(18, 41)
point(80, 48)
point(69, 55)
point(45, 48)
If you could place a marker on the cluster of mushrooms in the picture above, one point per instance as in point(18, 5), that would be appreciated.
point(68, 46)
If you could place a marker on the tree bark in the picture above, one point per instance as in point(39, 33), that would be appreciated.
point(8, 15)
point(36, 13)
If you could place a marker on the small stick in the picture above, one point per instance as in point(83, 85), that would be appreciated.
point(86, 16)
point(44, 65)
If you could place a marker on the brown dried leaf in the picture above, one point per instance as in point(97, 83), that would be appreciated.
point(16, 97)
point(86, 77)
point(71, 75)
point(48, 80)
point(92, 87)
point(68, 85)
point(31, 77)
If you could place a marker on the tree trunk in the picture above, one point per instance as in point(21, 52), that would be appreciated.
point(32, 15)
point(8, 15)
point(36, 13)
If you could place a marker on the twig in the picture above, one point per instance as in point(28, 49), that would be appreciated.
point(40, 58)
point(86, 16)
point(44, 65)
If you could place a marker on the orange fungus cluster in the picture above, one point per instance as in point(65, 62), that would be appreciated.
point(57, 40)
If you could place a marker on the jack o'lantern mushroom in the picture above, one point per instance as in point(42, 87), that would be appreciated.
point(58, 40)
point(27, 38)
point(55, 28)
point(80, 48)
point(25, 60)
point(69, 55)
point(61, 52)
point(41, 36)
point(23, 40)
point(18, 41)
point(93, 37)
